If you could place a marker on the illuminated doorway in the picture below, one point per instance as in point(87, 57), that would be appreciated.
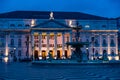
point(66, 56)
point(51, 52)
point(36, 55)
point(43, 54)
point(58, 54)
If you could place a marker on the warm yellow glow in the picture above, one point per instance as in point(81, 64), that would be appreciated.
point(6, 59)
point(43, 33)
point(51, 33)
point(109, 57)
point(116, 58)
point(32, 22)
point(36, 34)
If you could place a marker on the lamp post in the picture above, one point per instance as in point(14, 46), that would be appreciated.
point(93, 47)
point(14, 56)
point(87, 53)
point(32, 53)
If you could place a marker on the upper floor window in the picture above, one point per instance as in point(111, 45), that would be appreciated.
point(12, 42)
point(103, 26)
point(12, 25)
point(27, 25)
point(92, 39)
point(104, 43)
point(19, 25)
point(19, 42)
point(112, 43)
point(96, 43)
point(11, 35)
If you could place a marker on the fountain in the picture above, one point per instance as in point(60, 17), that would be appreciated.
point(77, 54)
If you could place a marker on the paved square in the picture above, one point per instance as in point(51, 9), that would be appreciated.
point(27, 71)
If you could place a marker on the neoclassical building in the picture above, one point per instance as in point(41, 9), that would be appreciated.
point(26, 34)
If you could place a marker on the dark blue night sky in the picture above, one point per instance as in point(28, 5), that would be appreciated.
point(105, 8)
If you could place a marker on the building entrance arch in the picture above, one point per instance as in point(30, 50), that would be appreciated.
point(58, 54)
point(36, 55)
point(44, 54)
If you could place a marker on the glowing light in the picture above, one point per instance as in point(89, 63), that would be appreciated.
point(6, 59)
point(40, 57)
point(86, 48)
point(32, 23)
point(116, 58)
point(6, 48)
point(47, 57)
point(55, 57)
point(70, 23)
point(109, 57)
point(87, 26)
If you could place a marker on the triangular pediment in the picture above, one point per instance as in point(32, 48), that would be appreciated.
point(51, 24)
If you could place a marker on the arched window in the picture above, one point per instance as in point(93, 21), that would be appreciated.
point(112, 43)
point(19, 42)
point(27, 25)
point(19, 25)
point(12, 25)
point(104, 43)
point(96, 43)
point(12, 42)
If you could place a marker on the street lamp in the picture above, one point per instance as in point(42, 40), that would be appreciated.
point(14, 57)
point(92, 39)
point(87, 53)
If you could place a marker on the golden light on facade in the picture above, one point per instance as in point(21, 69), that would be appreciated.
point(116, 58)
point(6, 59)
point(109, 57)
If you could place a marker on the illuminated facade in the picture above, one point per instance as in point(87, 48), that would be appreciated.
point(26, 34)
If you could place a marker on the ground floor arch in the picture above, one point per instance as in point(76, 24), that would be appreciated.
point(44, 54)
point(58, 54)
point(36, 57)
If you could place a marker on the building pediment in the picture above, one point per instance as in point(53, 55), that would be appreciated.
point(50, 24)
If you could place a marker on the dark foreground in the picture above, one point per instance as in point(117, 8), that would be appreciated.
point(27, 71)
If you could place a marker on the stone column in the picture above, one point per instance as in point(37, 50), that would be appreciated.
point(6, 44)
point(63, 43)
point(48, 42)
point(116, 40)
point(30, 46)
point(55, 37)
point(40, 46)
point(32, 43)
point(108, 44)
point(70, 35)
point(101, 44)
